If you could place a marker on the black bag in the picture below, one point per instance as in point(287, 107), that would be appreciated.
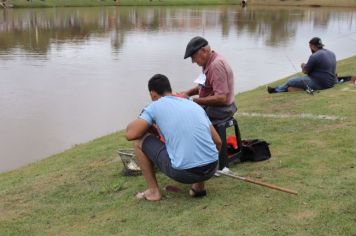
point(255, 150)
point(342, 79)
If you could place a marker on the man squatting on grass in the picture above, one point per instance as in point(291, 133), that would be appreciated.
point(320, 70)
point(190, 152)
point(216, 93)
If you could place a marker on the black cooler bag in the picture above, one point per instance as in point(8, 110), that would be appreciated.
point(255, 150)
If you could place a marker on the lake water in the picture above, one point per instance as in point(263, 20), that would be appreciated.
point(69, 75)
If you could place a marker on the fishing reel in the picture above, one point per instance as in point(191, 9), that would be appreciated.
point(310, 91)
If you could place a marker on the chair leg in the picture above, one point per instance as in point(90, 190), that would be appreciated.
point(223, 155)
point(238, 135)
point(223, 151)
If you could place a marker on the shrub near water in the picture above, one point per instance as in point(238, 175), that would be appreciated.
point(81, 191)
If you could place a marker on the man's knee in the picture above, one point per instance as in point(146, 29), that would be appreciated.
point(297, 83)
point(139, 142)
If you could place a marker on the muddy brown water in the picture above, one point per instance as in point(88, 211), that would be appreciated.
point(69, 75)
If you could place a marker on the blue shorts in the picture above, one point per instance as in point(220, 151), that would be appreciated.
point(156, 151)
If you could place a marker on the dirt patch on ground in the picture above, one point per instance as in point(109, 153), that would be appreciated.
point(307, 214)
point(6, 215)
point(12, 213)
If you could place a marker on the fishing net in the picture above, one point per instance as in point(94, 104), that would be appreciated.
point(131, 167)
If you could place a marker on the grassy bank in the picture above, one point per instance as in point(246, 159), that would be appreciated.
point(57, 3)
point(81, 191)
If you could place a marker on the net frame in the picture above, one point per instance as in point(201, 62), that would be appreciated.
point(131, 167)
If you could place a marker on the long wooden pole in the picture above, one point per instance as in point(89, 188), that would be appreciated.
point(258, 182)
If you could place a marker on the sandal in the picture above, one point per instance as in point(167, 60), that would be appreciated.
point(196, 193)
point(141, 196)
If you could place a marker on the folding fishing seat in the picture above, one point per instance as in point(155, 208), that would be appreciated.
point(226, 157)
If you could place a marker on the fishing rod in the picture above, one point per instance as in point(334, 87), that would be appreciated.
point(245, 179)
point(290, 61)
point(131, 168)
point(308, 89)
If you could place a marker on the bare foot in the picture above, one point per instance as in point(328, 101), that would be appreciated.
point(149, 195)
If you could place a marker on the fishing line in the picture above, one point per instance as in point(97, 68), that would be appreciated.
point(308, 89)
point(291, 62)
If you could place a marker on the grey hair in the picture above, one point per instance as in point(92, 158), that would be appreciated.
point(207, 47)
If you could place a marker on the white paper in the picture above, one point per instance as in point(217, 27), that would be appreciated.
point(201, 79)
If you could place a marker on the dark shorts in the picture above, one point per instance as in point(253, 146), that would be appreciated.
point(218, 114)
point(156, 151)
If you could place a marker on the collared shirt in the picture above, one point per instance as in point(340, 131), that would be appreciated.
point(219, 79)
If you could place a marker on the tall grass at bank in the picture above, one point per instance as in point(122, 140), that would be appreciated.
point(82, 192)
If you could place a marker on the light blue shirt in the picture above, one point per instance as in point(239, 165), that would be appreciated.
point(186, 129)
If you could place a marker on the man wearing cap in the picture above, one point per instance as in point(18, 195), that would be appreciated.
point(216, 83)
point(320, 70)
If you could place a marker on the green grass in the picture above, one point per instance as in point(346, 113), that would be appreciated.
point(81, 191)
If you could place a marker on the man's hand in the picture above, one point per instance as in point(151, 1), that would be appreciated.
point(303, 68)
point(154, 130)
point(191, 92)
point(214, 100)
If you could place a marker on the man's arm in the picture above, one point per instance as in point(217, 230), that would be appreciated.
point(311, 63)
point(216, 138)
point(192, 91)
point(214, 100)
point(136, 129)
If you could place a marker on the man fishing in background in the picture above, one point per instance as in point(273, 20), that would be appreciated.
point(320, 71)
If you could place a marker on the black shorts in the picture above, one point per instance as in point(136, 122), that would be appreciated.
point(156, 151)
point(219, 114)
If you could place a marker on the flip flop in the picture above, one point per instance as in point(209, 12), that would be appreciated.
point(197, 194)
point(142, 196)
